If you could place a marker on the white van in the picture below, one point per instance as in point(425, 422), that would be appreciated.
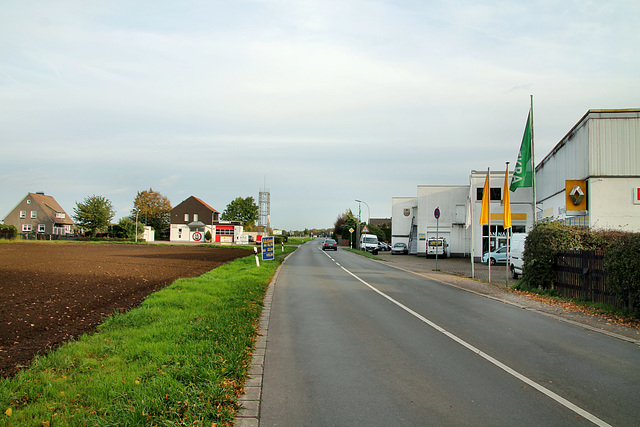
point(437, 246)
point(369, 243)
point(516, 255)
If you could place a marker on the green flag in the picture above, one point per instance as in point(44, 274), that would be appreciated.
point(523, 173)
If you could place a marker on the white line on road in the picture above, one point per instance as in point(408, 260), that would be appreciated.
point(561, 400)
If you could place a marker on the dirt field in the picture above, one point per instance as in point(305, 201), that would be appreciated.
point(51, 292)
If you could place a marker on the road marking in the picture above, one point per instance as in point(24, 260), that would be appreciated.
point(561, 400)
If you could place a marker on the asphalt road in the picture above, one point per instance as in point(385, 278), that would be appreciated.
point(353, 342)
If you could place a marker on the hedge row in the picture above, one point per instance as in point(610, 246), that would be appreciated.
point(622, 256)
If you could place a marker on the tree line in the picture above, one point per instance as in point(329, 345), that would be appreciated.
point(95, 214)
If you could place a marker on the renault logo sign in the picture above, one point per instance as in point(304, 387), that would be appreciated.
point(576, 195)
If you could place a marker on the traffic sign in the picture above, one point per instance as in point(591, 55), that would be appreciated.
point(365, 229)
point(436, 213)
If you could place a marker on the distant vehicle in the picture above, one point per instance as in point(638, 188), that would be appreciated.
point(516, 260)
point(499, 256)
point(330, 244)
point(437, 245)
point(399, 248)
point(384, 246)
point(369, 243)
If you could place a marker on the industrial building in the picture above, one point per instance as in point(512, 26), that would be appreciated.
point(591, 178)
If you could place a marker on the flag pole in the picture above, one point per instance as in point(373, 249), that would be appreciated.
point(533, 166)
point(489, 220)
point(507, 230)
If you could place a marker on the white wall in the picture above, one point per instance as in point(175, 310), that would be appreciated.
point(610, 203)
point(401, 223)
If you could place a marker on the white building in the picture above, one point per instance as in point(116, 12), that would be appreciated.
point(599, 161)
point(591, 178)
point(414, 218)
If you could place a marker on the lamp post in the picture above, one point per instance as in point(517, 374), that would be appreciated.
point(368, 210)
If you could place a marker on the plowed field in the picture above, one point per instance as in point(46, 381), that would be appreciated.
point(52, 292)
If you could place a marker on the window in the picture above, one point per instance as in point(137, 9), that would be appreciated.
point(60, 215)
point(41, 228)
point(23, 214)
point(26, 227)
point(495, 193)
point(195, 217)
point(28, 201)
point(186, 217)
point(224, 231)
point(34, 214)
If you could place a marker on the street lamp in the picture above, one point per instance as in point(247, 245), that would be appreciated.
point(368, 210)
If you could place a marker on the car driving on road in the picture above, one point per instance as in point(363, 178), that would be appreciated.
point(330, 244)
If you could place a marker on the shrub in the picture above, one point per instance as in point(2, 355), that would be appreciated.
point(542, 245)
point(622, 263)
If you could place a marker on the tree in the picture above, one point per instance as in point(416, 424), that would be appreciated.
point(243, 210)
point(128, 227)
point(94, 213)
point(153, 209)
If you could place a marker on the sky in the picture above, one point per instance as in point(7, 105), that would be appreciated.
point(320, 102)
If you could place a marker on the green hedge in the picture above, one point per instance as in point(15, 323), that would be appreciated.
point(622, 256)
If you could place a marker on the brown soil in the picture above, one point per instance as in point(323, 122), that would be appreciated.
point(52, 292)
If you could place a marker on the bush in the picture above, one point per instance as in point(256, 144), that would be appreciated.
point(542, 246)
point(622, 263)
point(8, 231)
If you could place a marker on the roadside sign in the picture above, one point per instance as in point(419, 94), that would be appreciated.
point(365, 229)
point(436, 213)
point(197, 236)
point(351, 230)
point(268, 252)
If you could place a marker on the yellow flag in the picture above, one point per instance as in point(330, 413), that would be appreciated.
point(486, 199)
point(506, 201)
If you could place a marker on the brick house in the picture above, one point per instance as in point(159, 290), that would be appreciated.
point(39, 214)
point(191, 219)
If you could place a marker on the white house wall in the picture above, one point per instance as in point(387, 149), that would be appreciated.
point(447, 199)
point(401, 223)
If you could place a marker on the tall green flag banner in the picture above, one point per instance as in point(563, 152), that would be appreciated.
point(523, 172)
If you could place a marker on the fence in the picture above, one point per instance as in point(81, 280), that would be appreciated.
point(580, 274)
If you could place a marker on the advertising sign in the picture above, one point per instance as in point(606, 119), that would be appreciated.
point(267, 248)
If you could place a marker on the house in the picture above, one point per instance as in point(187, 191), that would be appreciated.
point(41, 215)
point(191, 219)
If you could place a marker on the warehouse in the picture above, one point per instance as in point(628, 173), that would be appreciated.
point(591, 178)
point(414, 220)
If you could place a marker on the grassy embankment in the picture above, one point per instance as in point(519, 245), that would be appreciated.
point(179, 359)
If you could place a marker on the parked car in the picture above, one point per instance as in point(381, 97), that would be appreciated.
point(516, 255)
point(384, 246)
point(330, 244)
point(499, 256)
point(399, 248)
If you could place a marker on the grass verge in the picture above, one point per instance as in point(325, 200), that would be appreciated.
point(363, 253)
point(180, 358)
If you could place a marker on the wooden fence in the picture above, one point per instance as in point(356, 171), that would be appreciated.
point(580, 274)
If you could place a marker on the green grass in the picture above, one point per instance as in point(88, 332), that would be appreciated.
point(297, 240)
point(363, 253)
point(180, 358)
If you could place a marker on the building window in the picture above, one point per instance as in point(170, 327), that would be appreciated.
point(41, 228)
point(195, 217)
point(186, 217)
point(23, 214)
point(224, 231)
point(26, 227)
point(34, 214)
point(495, 193)
point(60, 215)
point(28, 201)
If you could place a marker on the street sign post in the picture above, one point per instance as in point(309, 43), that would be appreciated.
point(436, 213)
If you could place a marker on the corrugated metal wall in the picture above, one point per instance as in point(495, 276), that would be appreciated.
point(615, 146)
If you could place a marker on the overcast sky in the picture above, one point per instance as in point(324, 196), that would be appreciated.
point(325, 101)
